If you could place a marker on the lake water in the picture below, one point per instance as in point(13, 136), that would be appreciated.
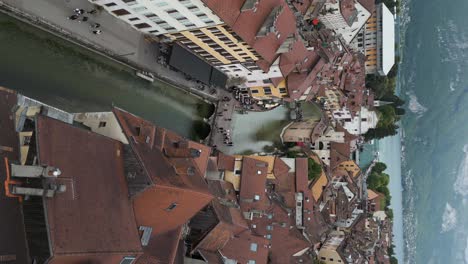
point(434, 76)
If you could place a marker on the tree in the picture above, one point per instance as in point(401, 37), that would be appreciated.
point(379, 167)
point(315, 169)
point(393, 260)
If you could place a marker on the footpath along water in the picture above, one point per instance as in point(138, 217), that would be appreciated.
point(46, 68)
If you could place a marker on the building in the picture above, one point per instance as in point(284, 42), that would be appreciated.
point(127, 200)
point(330, 250)
point(303, 131)
point(345, 17)
point(357, 124)
point(377, 41)
point(159, 17)
point(321, 146)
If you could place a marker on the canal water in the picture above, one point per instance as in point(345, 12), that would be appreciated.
point(44, 67)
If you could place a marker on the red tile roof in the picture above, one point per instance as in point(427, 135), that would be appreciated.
point(12, 240)
point(94, 215)
point(246, 24)
point(348, 11)
point(368, 4)
point(280, 167)
point(164, 169)
point(298, 83)
point(162, 248)
point(226, 162)
point(228, 11)
point(176, 176)
point(239, 248)
point(252, 185)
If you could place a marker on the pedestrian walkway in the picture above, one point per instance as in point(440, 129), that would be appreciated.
point(118, 38)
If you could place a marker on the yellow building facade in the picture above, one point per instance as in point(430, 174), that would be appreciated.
point(218, 45)
point(269, 91)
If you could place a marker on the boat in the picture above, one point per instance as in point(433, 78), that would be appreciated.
point(145, 75)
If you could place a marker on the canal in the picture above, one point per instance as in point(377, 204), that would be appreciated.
point(44, 67)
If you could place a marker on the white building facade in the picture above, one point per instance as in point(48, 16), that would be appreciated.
point(252, 73)
point(160, 17)
point(358, 124)
point(322, 146)
point(332, 17)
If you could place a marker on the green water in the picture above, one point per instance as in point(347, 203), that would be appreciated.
point(42, 66)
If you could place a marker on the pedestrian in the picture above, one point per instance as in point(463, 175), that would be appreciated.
point(84, 19)
point(97, 32)
point(95, 25)
point(93, 11)
point(72, 17)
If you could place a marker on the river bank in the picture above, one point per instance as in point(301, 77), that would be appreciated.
point(42, 66)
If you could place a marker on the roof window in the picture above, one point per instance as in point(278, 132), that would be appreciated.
point(171, 207)
point(253, 247)
point(127, 260)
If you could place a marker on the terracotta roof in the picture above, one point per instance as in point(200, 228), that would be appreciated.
point(228, 11)
point(245, 247)
point(298, 58)
point(155, 156)
point(319, 185)
point(368, 4)
point(226, 162)
point(297, 83)
point(225, 204)
point(348, 11)
point(280, 167)
point(252, 186)
point(248, 24)
point(371, 195)
point(302, 7)
point(302, 172)
point(178, 189)
point(165, 208)
point(339, 152)
point(95, 207)
point(162, 248)
point(12, 240)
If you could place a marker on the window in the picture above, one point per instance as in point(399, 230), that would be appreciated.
point(120, 12)
point(26, 140)
point(142, 25)
point(133, 19)
point(102, 124)
point(257, 197)
point(251, 262)
point(171, 207)
point(110, 4)
point(254, 91)
point(267, 90)
point(253, 247)
point(282, 90)
point(127, 260)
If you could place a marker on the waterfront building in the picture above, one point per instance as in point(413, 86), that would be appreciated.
point(159, 17)
point(345, 17)
point(142, 184)
point(357, 124)
point(304, 131)
point(254, 42)
point(377, 41)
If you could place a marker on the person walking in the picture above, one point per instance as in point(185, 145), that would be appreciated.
point(97, 32)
